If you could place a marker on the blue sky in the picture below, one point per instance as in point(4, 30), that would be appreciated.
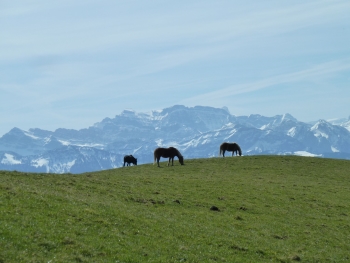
point(69, 64)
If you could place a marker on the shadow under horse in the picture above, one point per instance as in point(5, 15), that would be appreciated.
point(170, 153)
point(230, 147)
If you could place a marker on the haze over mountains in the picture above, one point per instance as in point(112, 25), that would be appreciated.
point(197, 132)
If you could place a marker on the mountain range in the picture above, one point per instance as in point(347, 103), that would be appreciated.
point(196, 131)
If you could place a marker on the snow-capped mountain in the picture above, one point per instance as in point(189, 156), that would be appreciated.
point(197, 132)
point(69, 159)
point(341, 122)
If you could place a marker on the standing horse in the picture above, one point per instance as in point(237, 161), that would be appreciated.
point(170, 153)
point(129, 159)
point(230, 147)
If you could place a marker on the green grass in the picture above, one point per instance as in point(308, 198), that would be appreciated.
point(271, 209)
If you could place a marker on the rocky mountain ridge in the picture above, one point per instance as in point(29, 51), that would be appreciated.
point(196, 131)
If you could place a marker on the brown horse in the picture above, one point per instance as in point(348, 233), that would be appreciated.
point(230, 147)
point(170, 153)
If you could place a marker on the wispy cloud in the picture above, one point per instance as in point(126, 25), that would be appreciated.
point(312, 74)
point(44, 30)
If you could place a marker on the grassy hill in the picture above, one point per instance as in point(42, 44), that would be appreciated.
point(269, 209)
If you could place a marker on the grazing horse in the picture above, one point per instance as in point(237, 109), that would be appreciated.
point(129, 159)
point(230, 147)
point(170, 153)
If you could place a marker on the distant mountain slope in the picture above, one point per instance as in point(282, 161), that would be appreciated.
point(196, 131)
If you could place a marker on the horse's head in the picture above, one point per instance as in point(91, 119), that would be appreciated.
point(181, 160)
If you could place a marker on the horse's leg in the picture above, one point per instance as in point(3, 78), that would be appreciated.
point(169, 161)
point(124, 164)
point(158, 158)
point(223, 153)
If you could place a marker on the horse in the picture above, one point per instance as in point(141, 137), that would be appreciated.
point(170, 153)
point(230, 147)
point(129, 159)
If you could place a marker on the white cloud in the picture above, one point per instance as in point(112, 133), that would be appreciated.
point(314, 73)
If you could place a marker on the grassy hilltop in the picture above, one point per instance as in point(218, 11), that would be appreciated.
point(270, 209)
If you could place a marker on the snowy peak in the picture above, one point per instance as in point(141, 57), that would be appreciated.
point(345, 123)
point(179, 119)
point(15, 133)
point(126, 118)
point(285, 118)
point(283, 122)
point(198, 118)
point(323, 128)
point(265, 123)
point(333, 138)
point(40, 133)
point(288, 116)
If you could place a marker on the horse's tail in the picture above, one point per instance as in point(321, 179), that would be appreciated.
point(221, 149)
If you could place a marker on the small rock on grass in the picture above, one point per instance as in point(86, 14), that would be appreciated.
point(214, 208)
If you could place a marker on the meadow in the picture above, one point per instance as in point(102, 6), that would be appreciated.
point(232, 209)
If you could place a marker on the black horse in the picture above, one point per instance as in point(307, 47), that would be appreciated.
point(230, 147)
point(129, 159)
point(170, 153)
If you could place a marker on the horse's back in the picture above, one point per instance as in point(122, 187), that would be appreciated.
point(166, 152)
point(130, 159)
point(158, 151)
point(224, 144)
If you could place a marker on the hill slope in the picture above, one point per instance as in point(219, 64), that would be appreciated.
point(270, 208)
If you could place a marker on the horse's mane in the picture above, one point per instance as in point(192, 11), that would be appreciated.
point(177, 151)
